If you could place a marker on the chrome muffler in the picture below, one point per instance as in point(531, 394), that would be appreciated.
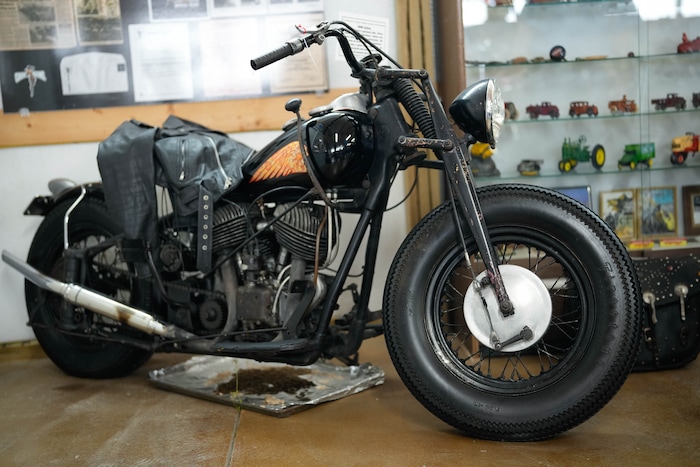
point(94, 301)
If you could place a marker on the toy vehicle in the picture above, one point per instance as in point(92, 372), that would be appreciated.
point(636, 154)
point(530, 167)
point(482, 163)
point(696, 100)
point(511, 111)
point(544, 109)
point(688, 46)
point(578, 108)
point(574, 152)
point(682, 146)
point(671, 100)
point(622, 106)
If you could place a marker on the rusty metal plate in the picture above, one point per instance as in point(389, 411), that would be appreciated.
point(270, 388)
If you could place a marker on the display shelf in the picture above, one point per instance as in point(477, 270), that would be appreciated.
point(581, 60)
point(620, 53)
point(523, 118)
point(509, 4)
point(585, 171)
point(658, 250)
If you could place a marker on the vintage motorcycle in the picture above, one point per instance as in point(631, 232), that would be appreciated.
point(511, 312)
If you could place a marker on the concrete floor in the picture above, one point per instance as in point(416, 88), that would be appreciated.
point(48, 418)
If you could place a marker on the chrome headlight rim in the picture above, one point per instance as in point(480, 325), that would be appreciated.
point(495, 112)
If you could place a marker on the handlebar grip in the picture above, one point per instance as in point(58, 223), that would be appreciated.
point(271, 57)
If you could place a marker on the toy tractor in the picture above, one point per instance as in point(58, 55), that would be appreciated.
point(573, 152)
point(482, 163)
point(622, 106)
point(636, 154)
point(682, 146)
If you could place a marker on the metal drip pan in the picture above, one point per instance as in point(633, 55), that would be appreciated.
point(271, 388)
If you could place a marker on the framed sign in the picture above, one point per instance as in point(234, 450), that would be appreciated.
point(691, 209)
point(618, 208)
point(657, 211)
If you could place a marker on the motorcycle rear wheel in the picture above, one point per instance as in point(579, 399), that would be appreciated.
point(560, 380)
point(93, 350)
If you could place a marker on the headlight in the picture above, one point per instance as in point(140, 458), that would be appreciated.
point(480, 111)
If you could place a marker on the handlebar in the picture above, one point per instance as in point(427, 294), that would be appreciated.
point(288, 49)
point(297, 45)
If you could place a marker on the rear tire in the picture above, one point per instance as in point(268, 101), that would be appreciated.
point(76, 354)
point(557, 382)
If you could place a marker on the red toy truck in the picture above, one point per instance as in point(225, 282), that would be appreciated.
point(671, 100)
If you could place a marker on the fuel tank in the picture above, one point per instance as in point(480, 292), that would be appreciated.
point(339, 145)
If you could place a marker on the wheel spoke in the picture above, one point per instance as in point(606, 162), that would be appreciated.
point(541, 357)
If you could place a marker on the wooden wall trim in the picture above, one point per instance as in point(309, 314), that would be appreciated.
point(87, 125)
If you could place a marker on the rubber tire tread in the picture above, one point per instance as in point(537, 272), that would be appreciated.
point(423, 373)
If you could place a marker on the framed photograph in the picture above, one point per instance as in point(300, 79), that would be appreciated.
point(582, 194)
point(619, 210)
point(657, 211)
point(691, 209)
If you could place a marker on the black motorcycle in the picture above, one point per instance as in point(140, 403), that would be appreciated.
point(511, 312)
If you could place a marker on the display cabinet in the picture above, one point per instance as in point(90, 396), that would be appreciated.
point(596, 92)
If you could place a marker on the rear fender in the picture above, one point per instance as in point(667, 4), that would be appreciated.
point(61, 189)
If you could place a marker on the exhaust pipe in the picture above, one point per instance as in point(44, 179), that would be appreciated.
point(86, 298)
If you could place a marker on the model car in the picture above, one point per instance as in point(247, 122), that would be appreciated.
point(622, 106)
point(682, 146)
point(545, 108)
point(671, 100)
point(573, 152)
point(688, 46)
point(636, 154)
point(578, 108)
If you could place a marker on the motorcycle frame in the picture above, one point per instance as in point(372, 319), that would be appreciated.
point(393, 139)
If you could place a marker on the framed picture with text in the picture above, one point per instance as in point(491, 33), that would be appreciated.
point(691, 209)
point(618, 208)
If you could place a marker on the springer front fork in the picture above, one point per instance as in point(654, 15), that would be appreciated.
point(461, 181)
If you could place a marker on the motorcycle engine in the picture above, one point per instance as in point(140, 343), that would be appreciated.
point(296, 230)
point(289, 242)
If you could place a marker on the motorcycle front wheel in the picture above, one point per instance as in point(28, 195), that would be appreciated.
point(561, 378)
point(95, 347)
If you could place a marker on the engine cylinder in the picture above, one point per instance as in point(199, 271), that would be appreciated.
point(298, 229)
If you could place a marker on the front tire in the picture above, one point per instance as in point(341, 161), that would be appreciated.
point(87, 351)
point(557, 382)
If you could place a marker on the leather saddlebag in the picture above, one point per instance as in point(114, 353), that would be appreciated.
point(671, 297)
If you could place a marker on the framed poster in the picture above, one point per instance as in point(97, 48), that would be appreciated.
point(582, 194)
point(618, 208)
point(657, 211)
point(691, 209)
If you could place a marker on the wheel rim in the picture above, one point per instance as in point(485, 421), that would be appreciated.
point(547, 360)
point(600, 157)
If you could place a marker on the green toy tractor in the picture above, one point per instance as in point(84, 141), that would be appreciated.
point(573, 152)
